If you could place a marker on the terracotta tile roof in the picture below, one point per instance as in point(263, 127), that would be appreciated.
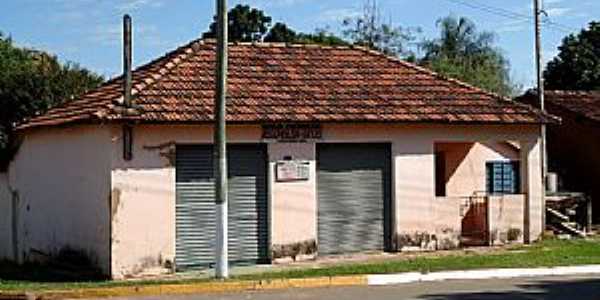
point(292, 83)
point(582, 103)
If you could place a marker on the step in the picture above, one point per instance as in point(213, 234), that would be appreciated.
point(557, 214)
point(572, 229)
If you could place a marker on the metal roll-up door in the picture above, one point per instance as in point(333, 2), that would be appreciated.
point(195, 208)
point(354, 211)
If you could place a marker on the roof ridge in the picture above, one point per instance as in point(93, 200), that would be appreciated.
point(282, 44)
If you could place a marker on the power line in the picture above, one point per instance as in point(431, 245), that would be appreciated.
point(513, 15)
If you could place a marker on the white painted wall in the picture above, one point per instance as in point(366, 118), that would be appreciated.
point(6, 250)
point(62, 179)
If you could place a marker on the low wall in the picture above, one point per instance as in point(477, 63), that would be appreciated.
point(506, 219)
point(443, 231)
point(505, 223)
point(5, 218)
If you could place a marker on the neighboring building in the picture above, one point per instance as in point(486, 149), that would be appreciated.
point(574, 145)
point(332, 150)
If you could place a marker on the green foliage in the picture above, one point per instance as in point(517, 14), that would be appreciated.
point(370, 31)
point(577, 66)
point(246, 24)
point(281, 33)
point(321, 37)
point(464, 53)
point(30, 83)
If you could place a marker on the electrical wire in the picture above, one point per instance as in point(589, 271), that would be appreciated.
point(512, 15)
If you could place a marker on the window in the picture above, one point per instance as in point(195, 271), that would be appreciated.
point(503, 177)
point(440, 174)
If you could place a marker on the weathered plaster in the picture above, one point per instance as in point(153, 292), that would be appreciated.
point(413, 155)
point(506, 219)
point(61, 178)
point(294, 204)
point(143, 226)
point(465, 164)
point(144, 223)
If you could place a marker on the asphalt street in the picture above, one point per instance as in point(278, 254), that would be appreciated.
point(573, 288)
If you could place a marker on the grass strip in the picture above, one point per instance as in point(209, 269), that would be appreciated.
point(548, 253)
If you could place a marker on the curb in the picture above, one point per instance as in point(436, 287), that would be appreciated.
point(197, 288)
point(390, 279)
point(318, 282)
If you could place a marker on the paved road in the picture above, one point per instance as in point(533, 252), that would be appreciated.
point(572, 288)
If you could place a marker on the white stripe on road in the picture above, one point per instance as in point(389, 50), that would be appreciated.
point(481, 274)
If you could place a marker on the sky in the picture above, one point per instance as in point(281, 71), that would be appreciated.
point(88, 32)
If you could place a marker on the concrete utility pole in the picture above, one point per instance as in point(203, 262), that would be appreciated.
point(127, 82)
point(537, 6)
point(220, 142)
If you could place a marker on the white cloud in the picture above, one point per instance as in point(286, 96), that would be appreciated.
point(111, 35)
point(131, 5)
point(339, 14)
point(557, 11)
point(514, 26)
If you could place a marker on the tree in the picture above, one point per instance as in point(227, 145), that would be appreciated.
point(464, 53)
point(577, 66)
point(246, 24)
point(281, 33)
point(370, 31)
point(321, 37)
point(31, 82)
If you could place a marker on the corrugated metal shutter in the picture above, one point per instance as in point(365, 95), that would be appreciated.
point(195, 209)
point(354, 197)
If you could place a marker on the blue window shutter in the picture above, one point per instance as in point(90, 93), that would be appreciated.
point(503, 177)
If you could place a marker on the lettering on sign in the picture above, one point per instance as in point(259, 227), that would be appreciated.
point(292, 132)
point(292, 170)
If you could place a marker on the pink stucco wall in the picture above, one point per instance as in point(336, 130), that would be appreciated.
point(144, 211)
point(294, 204)
point(143, 189)
point(74, 188)
point(466, 170)
point(61, 178)
point(506, 218)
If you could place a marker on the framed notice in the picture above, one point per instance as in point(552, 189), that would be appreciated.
point(292, 170)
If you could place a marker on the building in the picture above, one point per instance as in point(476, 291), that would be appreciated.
point(573, 146)
point(332, 150)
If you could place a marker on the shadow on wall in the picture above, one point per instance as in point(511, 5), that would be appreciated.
point(582, 289)
point(69, 265)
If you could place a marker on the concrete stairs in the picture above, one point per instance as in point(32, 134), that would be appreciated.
point(562, 224)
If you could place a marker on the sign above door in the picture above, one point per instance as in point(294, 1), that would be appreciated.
point(292, 132)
